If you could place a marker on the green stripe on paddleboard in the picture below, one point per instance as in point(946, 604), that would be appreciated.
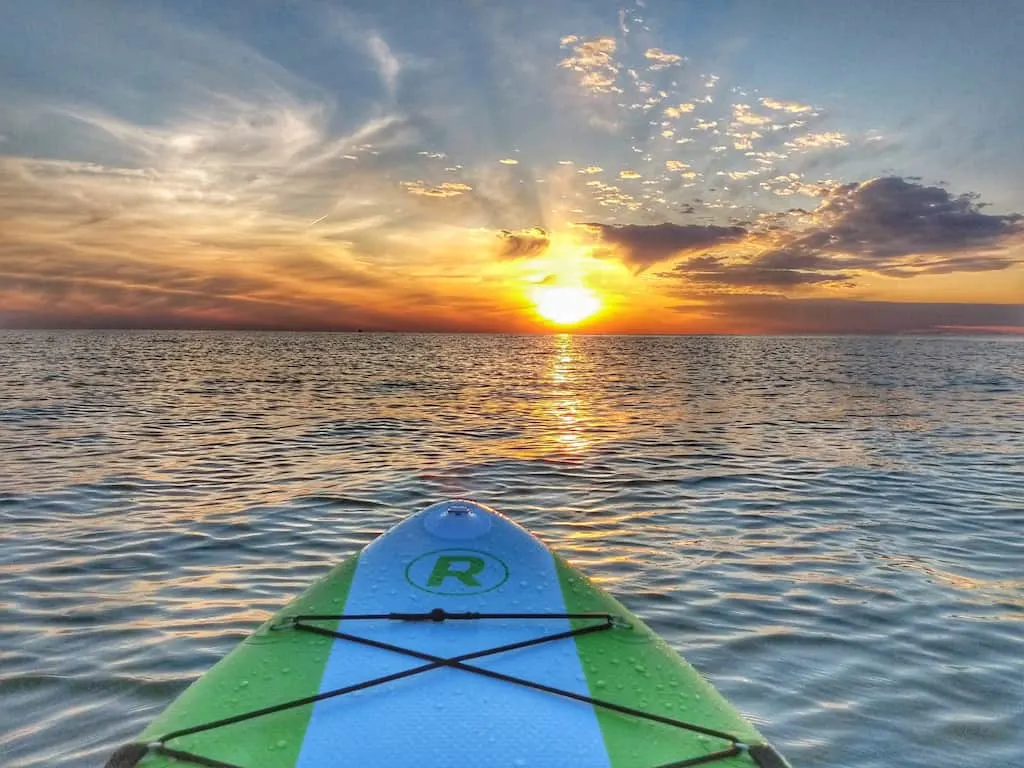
point(636, 668)
point(268, 668)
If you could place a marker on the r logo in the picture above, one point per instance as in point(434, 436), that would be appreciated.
point(456, 572)
point(469, 567)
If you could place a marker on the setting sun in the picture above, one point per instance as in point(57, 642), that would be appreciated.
point(565, 305)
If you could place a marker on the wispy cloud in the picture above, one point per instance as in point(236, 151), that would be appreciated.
point(387, 63)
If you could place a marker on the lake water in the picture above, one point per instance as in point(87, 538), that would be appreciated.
point(830, 529)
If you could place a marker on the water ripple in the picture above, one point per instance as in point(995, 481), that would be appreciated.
point(828, 527)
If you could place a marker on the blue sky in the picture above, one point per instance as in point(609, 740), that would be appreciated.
point(346, 164)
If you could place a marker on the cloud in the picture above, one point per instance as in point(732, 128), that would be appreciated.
point(642, 245)
point(188, 202)
point(778, 314)
point(716, 271)
point(52, 283)
point(792, 107)
point(740, 175)
point(743, 115)
point(92, 246)
point(524, 243)
point(357, 32)
point(595, 63)
point(895, 226)
point(889, 226)
point(442, 190)
point(158, 140)
point(828, 140)
point(660, 59)
point(788, 184)
point(680, 109)
point(202, 235)
point(388, 64)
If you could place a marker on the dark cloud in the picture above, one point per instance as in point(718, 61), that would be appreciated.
point(524, 243)
point(793, 259)
point(714, 270)
point(900, 228)
point(642, 245)
point(891, 226)
point(892, 216)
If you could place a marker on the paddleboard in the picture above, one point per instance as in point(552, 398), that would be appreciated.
point(457, 638)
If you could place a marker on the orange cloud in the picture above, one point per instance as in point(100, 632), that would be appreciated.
point(444, 189)
point(595, 63)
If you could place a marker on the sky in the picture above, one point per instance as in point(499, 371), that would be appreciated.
point(475, 165)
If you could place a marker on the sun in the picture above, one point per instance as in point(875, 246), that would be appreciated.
point(565, 304)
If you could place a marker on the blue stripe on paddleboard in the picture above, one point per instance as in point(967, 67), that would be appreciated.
point(448, 717)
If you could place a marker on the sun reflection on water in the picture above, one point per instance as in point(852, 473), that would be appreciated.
point(567, 413)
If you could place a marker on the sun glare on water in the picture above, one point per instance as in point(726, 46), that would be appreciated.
point(565, 305)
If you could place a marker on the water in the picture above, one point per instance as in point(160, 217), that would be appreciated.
point(829, 528)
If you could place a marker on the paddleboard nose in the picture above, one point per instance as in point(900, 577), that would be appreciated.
point(457, 519)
